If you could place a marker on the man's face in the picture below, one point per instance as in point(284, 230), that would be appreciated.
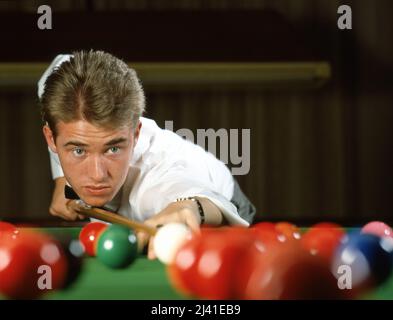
point(95, 160)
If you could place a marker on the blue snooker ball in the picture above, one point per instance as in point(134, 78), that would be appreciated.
point(368, 256)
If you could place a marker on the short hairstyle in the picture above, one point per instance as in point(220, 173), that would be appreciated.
point(94, 86)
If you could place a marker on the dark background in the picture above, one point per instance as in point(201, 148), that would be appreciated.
point(320, 150)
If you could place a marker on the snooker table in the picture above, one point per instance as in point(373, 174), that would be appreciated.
point(143, 280)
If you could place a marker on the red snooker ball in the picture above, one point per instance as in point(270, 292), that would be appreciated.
point(333, 227)
point(52, 255)
point(268, 238)
point(31, 264)
point(323, 239)
point(213, 261)
point(204, 265)
point(8, 227)
point(264, 226)
point(18, 270)
point(217, 263)
point(289, 230)
point(89, 236)
point(7, 230)
point(267, 234)
point(290, 273)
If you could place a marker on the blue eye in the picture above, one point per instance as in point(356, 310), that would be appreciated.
point(78, 152)
point(114, 149)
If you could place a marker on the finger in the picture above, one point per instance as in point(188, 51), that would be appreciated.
point(65, 214)
point(62, 216)
point(52, 211)
point(68, 204)
point(142, 240)
point(193, 225)
point(55, 213)
point(155, 221)
point(71, 213)
point(150, 253)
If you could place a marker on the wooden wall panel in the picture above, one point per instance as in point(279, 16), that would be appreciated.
point(316, 154)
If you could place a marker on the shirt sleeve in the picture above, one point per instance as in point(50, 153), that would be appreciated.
point(56, 169)
point(175, 184)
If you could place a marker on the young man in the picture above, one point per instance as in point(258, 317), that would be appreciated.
point(112, 157)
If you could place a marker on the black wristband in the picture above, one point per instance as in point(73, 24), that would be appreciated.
point(200, 208)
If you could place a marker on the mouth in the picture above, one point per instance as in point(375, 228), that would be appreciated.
point(97, 190)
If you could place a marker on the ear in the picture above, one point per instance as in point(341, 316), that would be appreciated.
point(137, 133)
point(49, 137)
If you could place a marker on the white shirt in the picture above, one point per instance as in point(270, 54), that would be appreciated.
point(165, 167)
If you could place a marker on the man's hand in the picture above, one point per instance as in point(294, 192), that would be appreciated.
point(184, 212)
point(58, 206)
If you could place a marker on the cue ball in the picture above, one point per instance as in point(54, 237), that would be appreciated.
point(168, 240)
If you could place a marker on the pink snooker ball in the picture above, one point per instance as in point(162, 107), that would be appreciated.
point(378, 228)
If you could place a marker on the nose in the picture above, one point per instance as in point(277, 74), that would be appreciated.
point(97, 170)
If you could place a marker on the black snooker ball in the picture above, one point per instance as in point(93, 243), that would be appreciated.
point(73, 251)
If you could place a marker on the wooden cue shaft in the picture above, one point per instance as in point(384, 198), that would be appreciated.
point(111, 217)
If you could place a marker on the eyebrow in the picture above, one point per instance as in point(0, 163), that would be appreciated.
point(75, 143)
point(109, 143)
point(115, 141)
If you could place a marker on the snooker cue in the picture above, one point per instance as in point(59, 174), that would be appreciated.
point(110, 217)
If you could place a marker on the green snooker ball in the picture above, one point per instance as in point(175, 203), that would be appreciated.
point(117, 247)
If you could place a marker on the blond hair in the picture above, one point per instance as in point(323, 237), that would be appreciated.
point(94, 86)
